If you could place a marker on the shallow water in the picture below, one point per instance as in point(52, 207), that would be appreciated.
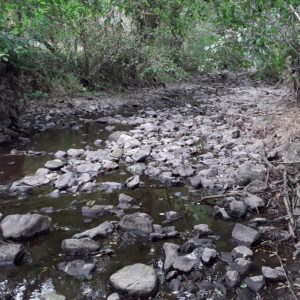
point(39, 272)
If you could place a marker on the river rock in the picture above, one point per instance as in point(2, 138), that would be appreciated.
point(202, 229)
point(19, 227)
point(220, 212)
point(79, 247)
point(133, 182)
point(96, 210)
point(170, 251)
point(196, 182)
point(241, 265)
point(245, 235)
point(136, 280)
point(64, 181)
point(254, 202)
point(242, 251)
point(54, 164)
point(232, 278)
point(237, 209)
point(140, 156)
point(77, 268)
point(139, 223)
point(89, 168)
point(137, 169)
point(75, 152)
point(35, 180)
point(103, 230)
point(113, 296)
point(52, 296)
point(60, 154)
point(273, 275)
point(11, 253)
point(184, 263)
point(125, 199)
point(246, 174)
point(115, 136)
point(256, 186)
point(185, 171)
point(209, 256)
point(255, 283)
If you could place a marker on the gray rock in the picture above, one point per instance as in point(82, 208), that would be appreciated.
point(175, 285)
point(209, 256)
point(273, 275)
point(19, 227)
point(77, 268)
point(60, 154)
point(245, 235)
point(256, 186)
point(137, 169)
point(11, 253)
point(127, 199)
point(35, 180)
point(137, 280)
point(103, 230)
point(172, 215)
point(139, 223)
point(170, 251)
point(220, 212)
point(115, 136)
point(52, 296)
point(75, 152)
point(242, 251)
point(254, 202)
point(202, 229)
point(241, 265)
point(237, 209)
point(232, 278)
point(79, 247)
point(113, 296)
point(246, 174)
point(140, 156)
point(64, 181)
point(255, 283)
point(196, 182)
point(133, 182)
point(184, 263)
point(110, 186)
point(96, 210)
point(235, 134)
point(89, 168)
point(109, 165)
point(185, 171)
point(54, 164)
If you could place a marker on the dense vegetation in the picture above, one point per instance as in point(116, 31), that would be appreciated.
point(79, 45)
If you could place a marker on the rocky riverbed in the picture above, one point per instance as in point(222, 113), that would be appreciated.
point(171, 193)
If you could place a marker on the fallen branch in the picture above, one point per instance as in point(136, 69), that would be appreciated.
point(295, 12)
point(212, 197)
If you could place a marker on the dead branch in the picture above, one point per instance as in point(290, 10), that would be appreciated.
point(295, 12)
point(212, 197)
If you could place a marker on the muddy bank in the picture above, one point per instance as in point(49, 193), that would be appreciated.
point(120, 195)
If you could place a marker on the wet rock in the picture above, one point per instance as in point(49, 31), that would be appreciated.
point(220, 212)
point(96, 210)
point(171, 275)
point(47, 210)
point(75, 152)
point(103, 230)
point(245, 235)
point(139, 223)
point(60, 154)
point(273, 233)
point(54, 194)
point(54, 165)
point(137, 280)
point(19, 227)
point(226, 257)
point(89, 168)
point(209, 256)
point(98, 142)
point(273, 275)
point(109, 165)
point(172, 215)
point(241, 265)
point(137, 169)
point(77, 268)
point(232, 278)
point(11, 253)
point(242, 252)
point(254, 202)
point(133, 182)
point(184, 263)
point(79, 247)
point(113, 296)
point(16, 187)
point(202, 229)
point(117, 153)
point(35, 180)
point(64, 181)
point(110, 186)
point(255, 283)
point(196, 182)
point(237, 209)
point(170, 251)
point(175, 285)
point(246, 174)
point(256, 186)
point(52, 296)
point(115, 136)
point(125, 199)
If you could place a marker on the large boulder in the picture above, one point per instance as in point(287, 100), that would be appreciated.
point(18, 227)
point(137, 280)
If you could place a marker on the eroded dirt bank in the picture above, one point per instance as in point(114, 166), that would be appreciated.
point(191, 187)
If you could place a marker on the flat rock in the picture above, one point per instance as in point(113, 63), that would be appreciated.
point(11, 253)
point(137, 280)
point(273, 275)
point(78, 247)
point(64, 181)
point(139, 223)
point(184, 263)
point(170, 251)
point(241, 265)
point(52, 296)
point(255, 283)
point(19, 227)
point(96, 210)
point(89, 168)
point(245, 235)
point(77, 268)
point(242, 251)
point(35, 180)
point(103, 230)
point(54, 164)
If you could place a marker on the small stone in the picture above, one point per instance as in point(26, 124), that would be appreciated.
point(245, 235)
point(255, 283)
point(64, 181)
point(113, 296)
point(220, 212)
point(133, 182)
point(60, 154)
point(256, 186)
point(232, 278)
point(209, 256)
point(236, 134)
point(170, 251)
point(96, 210)
point(237, 209)
point(52, 296)
point(11, 253)
point(241, 265)
point(196, 182)
point(242, 252)
point(77, 268)
point(172, 215)
point(103, 230)
point(274, 275)
point(184, 263)
point(254, 202)
point(202, 229)
point(79, 246)
point(139, 223)
point(54, 165)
